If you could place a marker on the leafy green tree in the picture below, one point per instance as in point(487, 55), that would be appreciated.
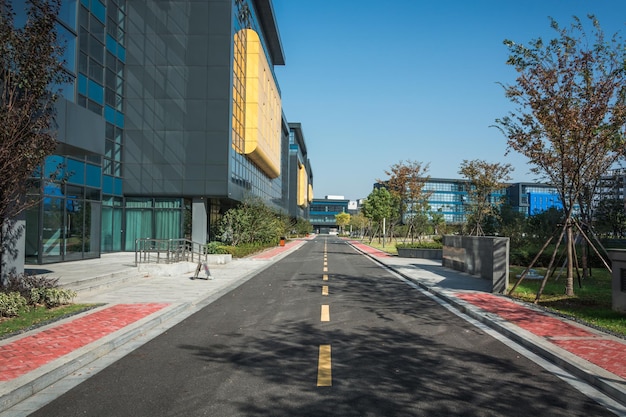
point(342, 220)
point(303, 226)
point(610, 217)
point(512, 224)
point(380, 206)
point(437, 221)
point(485, 179)
point(31, 68)
point(252, 222)
point(406, 183)
point(359, 222)
point(543, 225)
point(571, 99)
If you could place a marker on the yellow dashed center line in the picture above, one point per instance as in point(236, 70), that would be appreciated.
point(324, 289)
point(325, 277)
point(325, 312)
point(324, 369)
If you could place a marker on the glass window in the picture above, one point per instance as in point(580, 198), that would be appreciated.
point(92, 177)
point(96, 92)
point(98, 10)
point(75, 171)
point(67, 13)
point(96, 28)
point(83, 17)
point(68, 41)
point(83, 63)
point(96, 49)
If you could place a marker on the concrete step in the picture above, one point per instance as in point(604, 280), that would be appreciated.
point(102, 282)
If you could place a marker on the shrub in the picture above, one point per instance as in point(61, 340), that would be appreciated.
point(11, 304)
point(420, 245)
point(216, 248)
point(51, 297)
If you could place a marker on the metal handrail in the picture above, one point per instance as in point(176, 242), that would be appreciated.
point(149, 250)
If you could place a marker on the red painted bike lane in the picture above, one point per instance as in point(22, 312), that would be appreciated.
point(31, 352)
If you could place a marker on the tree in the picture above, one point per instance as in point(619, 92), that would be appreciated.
point(359, 222)
point(485, 179)
point(302, 226)
point(251, 222)
point(610, 217)
point(342, 220)
point(378, 207)
point(437, 221)
point(31, 67)
point(407, 180)
point(571, 98)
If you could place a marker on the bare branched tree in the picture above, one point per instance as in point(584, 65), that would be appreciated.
point(571, 98)
point(31, 69)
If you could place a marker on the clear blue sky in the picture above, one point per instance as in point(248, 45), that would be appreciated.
point(378, 82)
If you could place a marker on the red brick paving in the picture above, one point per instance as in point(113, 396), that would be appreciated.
point(270, 253)
point(603, 351)
point(370, 250)
point(29, 353)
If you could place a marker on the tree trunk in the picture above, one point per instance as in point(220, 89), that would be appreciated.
point(569, 288)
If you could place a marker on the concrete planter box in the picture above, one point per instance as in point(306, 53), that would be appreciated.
point(218, 259)
point(482, 256)
point(420, 253)
point(618, 286)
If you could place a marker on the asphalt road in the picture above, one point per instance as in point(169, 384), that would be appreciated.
point(279, 346)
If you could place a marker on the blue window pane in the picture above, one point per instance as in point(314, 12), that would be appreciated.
point(93, 176)
point(85, 3)
point(75, 171)
point(98, 10)
point(119, 120)
point(96, 92)
point(107, 184)
point(82, 84)
point(121, 53)
point(53, 167)
point(118, 186)
point(67, 13)
point(68, 41)
point(111, 45)
point(109, 114)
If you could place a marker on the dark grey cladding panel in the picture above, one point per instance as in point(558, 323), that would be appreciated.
point(79, 127)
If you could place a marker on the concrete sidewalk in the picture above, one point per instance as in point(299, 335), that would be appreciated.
point(134, 311)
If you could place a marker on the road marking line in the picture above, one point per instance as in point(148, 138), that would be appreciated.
point(325, 277)
point(324, 289)
point(324, 368)
point(325, 263)
point(325, 269)
point(325, 312)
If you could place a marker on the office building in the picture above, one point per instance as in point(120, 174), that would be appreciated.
point(174, 116)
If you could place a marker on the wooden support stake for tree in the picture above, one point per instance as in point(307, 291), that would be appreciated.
point(532, 263)
point(594, 247)
point(545, 278)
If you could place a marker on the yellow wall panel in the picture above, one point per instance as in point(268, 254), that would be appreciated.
point(262, 107)
point(303, 186)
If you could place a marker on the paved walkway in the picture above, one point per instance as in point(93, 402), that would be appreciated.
point(36, 359)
